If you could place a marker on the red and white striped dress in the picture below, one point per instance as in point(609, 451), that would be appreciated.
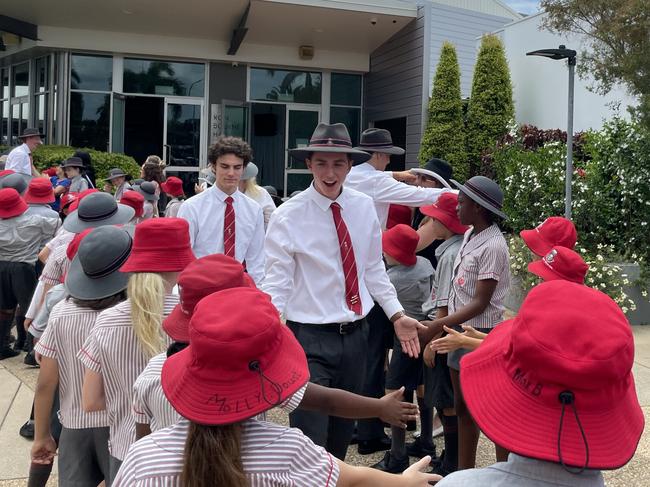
point(272, 456)
point(112, 350)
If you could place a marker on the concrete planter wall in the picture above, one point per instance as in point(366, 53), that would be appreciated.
point(641, 316)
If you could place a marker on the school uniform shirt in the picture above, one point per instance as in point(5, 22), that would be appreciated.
point(66, 331)
point(47, 212)
point(272, 455)
point(413, 285)
point(263, 198)
point(304, 272)
point(78, 184)
point(148, 210)
point(125, 186)
point(446, 254)
point(150, 405)
point(481, 256)
point(171, 210)
point(52, 297)
point(56, 266)
point(112, 350)
point(62, 237)
point(19, 160)
point(21, 237)
point(205, 214)
point(522, 472)
point(384, 190)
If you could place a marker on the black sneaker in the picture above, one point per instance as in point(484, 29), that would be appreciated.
point(8, 352)
point(419, 450)
point(372, 446)
point(27, 430)
point(30, 359)
point(392, 465)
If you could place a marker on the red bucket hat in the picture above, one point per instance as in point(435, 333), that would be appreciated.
point(555, 230)
point(398, 214)
point(201, 278)
point(135, 200)
point(445, 212)
point(160, 245)
point(557, 380)
point(400, 242)
point(11, 204)
point(241, 360)
point(560, 263)
point(173, 186)
point(39, 191)
point(68, 199)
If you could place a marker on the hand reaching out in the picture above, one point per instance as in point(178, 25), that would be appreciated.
point(396, 412)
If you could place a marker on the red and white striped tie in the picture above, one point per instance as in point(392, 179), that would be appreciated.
point(347, 258)
point(229, 229)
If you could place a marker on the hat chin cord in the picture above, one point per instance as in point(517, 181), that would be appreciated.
point(254, 366)
point(567, 398)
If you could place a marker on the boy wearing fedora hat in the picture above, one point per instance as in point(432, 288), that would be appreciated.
point(480, 281)
point(93, 284)
point(226, 377)
point(552, 418)
point(21, 236)
point(20, 159)
point(73, 167)
point(324, 269)
point(117, 180)
point(222, 219)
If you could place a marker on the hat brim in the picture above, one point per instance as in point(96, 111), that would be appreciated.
point(535, 242)
point(80, 286)
point(303, 153)
point(159, 260)
point(177, 325)
point(31, 199)
point(14, 211)
point(542, 270)
point(74, 224)
point(146, 196)
point(448, 221)
point(434, 175)
point(125, 176)
point(477, 199)
point(194, 399)
point(520, 423)
point(392, 150)
point(31, 135)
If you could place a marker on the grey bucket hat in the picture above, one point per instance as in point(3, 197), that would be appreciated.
point(148, 190)
point(251, 171)
point(378, 140)
point(485, 192)
point(94, 272)
point(97, 210)
point(17, 181)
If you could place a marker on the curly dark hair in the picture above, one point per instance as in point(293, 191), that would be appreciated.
point(230, 145)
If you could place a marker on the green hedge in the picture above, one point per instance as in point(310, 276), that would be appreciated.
point(50, 155)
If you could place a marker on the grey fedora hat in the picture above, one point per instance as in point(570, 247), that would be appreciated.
point(17, 181)
point(148, 190)
point(116, 172)
point(94, 272)
point(378, 140)
point(31, 132)
point(73, 162)
point(485, 192)
point(97, 210)
point(330, 138)
point(251, 171)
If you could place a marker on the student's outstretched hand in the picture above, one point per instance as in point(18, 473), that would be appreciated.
point(450, 342)
point(429, 356)
point(472, 332)
point(396, 412)
point(43, 451)
point(406, 329)
point(414, 476)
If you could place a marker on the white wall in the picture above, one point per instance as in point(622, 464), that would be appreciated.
point(540, 86)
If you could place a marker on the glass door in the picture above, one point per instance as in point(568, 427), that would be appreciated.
point(301, 122)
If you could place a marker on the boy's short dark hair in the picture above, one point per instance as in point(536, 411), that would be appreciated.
point(230, 145)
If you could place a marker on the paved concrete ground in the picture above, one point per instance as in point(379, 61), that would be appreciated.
point(17, 383)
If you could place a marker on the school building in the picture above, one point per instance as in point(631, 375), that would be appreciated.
point(166, 77)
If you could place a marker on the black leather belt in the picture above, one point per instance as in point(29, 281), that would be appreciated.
point(340, 328)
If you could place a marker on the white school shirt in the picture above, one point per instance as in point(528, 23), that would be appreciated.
point(67, 328)
point(386, 190)
point(112, 350)
point(263, 198)
point(271, 455)
point(56, 266)
point(18, 160)
point(304, 272)
point(205, 211)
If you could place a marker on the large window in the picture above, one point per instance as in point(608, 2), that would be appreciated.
point(20, 86)
point(345, 106)
point(4, 106)
point(91, 79)
point(285, 86)
point(41, 94)
point(163, 78)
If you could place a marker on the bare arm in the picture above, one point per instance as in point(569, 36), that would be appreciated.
point(92, 393)
point(44, 447)
point(425, 232)
point(142, 430)
point(363, 476)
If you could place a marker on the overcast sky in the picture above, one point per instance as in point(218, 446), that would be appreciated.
point(524, 6)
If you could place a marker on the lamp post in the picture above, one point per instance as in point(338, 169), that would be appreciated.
point(570, 55)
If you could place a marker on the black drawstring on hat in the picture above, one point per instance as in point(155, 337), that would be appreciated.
point(568, 398)
point(254, 366)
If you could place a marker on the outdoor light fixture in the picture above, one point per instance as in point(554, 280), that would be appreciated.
point(570, 55)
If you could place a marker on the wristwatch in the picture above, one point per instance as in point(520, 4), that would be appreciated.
point(397, 316)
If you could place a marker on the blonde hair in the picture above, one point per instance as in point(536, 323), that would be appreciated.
point(146, 292)
point(251, 188)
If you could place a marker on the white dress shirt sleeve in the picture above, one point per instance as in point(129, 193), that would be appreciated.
point(376, 278)
point(255, 254)
point(19, 161)
point(187, 213)
point(280, 264)
point(389, 190)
